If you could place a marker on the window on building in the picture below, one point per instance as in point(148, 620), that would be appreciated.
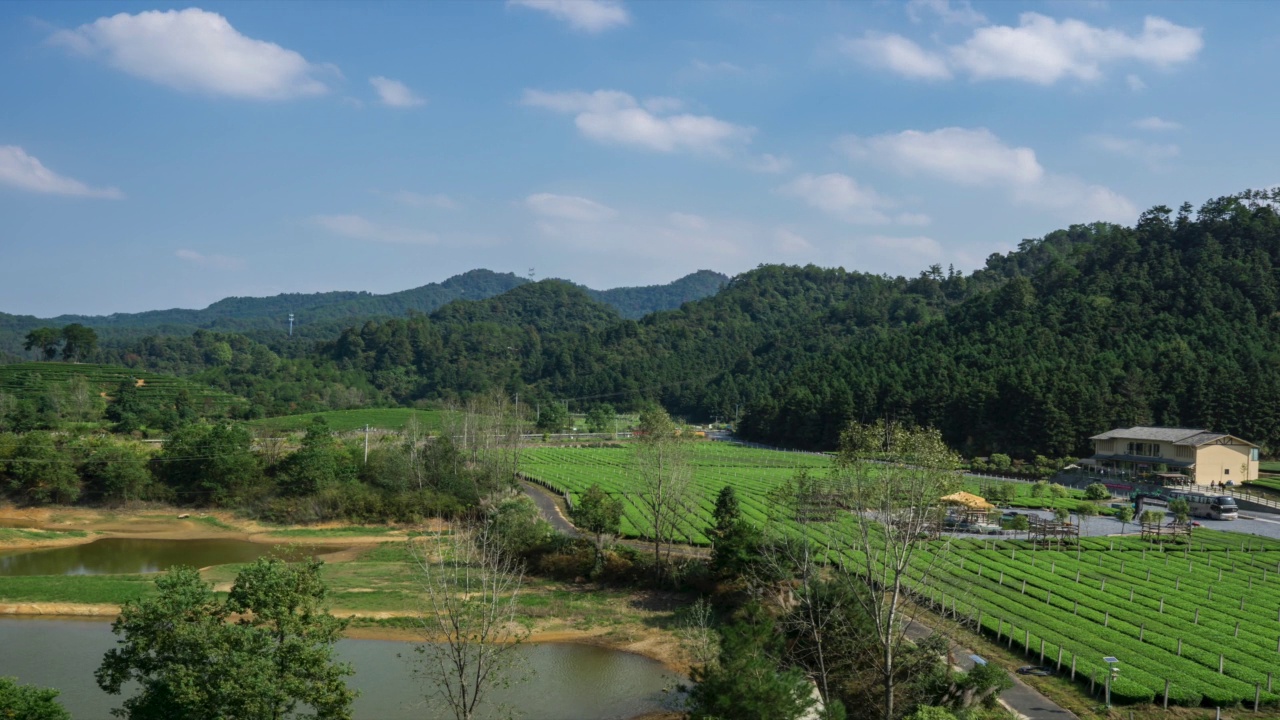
point(1253, 454)
point(1226, 471)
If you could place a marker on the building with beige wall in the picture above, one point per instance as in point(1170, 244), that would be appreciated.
point(1201, 456)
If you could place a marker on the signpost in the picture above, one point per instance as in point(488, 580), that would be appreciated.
point(1114, 664)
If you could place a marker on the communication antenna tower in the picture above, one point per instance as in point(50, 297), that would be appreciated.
point(530, 274)
point(290, 324)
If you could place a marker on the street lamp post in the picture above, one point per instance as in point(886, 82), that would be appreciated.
point(1114, 665)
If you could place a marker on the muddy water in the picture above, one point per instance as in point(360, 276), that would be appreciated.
point(568, 682)
point(114, 556)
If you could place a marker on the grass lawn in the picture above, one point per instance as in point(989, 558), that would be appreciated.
point(347, 420)
point(87, 589)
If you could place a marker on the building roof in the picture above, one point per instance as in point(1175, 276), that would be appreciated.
point(1177, 436)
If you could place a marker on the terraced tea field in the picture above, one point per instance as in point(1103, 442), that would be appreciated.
point(751, 471)
point(29, 379)
point(1203, 616)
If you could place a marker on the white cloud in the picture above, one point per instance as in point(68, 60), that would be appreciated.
point(841, 196)
point(663, 104)
point(952, 13)
point(920, 219)
point(1151, 153)
point(590, 16)
point(197, 51)
point(959, 155)
point(437, 200)
point(20, 170)
point(687, 221)
point(1044, 50)
point(1156, 124)
point(360, 228)
point(218, 262)
point(898, 54)
point(1040, 49)
point(394, 93)
point(1135, 83)
point(568, 207)
point(614, 117)
point(977, 158)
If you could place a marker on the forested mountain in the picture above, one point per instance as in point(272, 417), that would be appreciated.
point(324, 315)
point(1175, 321)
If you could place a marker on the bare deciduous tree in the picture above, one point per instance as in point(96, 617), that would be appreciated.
point(471, 637)
point(662, 468)
point(488, 432)
point(893, 478)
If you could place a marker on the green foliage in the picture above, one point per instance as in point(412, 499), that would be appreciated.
point(735, 542)
point(209, 464)
point(78, 342)
point(28, 702)
point(600, 418)
point(1180, 508)
point(747, 683)
point(1097, 491)
point(931, 712)
point(600, 514)
point(1124, 515)
point(1152, 517)
point(37, 470)
point(192, 661)
point(517, 525)
point(552, 418)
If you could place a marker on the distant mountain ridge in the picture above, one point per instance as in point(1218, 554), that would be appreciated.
point(324, 314)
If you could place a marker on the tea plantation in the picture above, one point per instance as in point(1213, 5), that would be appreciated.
point(25, 380)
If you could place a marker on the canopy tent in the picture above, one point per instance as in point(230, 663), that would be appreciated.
point(969, 500)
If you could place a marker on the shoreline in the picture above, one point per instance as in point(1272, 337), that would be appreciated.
point(102, 613)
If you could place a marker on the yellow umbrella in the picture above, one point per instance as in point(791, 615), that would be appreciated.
point(969, 500)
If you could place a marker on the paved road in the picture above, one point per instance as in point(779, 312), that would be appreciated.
point(1021, 698)
point(549, 506)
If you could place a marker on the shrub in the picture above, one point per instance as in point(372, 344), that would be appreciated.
point(1097, 491)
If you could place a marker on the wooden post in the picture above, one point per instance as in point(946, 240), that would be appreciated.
point(1130, 594)
point(1161, 604)
point(1142, 632)
point(1237, 628)
point(1048, 597)
point(1210, 592)
point(1268, 682)
point(1197, 620)
point(1241, 602)
point(1073, 667)
point(1106, 622)
point(1103, 587)
point(1257, 695)
point(1177, 583)
point(1221, 664)
point(1024, 586)
point(1001, 578)
point(1009, 644)
point(1166, 694)
point(1026, 642)
point(1148, 574)
point(1076, 610)
point(1179, 647)
point(1060, 668)
point(1041, 651)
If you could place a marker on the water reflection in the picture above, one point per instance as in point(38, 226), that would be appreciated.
point(570, 682)
point(117, 556)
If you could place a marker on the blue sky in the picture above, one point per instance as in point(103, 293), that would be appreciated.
point(156, 156)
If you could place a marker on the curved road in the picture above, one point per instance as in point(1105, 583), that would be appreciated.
point(549, 505)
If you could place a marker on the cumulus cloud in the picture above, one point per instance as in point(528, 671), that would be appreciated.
point(1135, 83)
point(437, 200)
point(589, 16)
point(897, 54)
point(976, 157)
point(1156, 124)
point(196, 51)
point(1040, 50)
point(568, 207)
point(613, 117)
point(20, 170)
point(952, 13)
point(840, 196)
point(357, 227)
point(394, 93)
point(217, 262)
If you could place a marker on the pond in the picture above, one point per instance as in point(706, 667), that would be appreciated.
point(568, 682)
point(115, 556)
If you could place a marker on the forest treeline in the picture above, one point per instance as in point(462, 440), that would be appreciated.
point(323, 315)
point(1171, 322)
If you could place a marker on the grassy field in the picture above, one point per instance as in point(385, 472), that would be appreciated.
point(1268, 482)
point(347, 420)
point(35, 378)
point(1272, 466)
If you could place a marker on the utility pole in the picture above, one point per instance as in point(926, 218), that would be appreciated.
point(290, 324)
point(366, 444)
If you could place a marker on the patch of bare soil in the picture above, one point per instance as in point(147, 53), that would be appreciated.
point(63, 609)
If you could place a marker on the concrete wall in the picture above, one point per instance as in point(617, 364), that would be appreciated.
point(1214, 461)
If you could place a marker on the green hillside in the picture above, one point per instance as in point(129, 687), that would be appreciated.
point(29, 380)
point(347, 420)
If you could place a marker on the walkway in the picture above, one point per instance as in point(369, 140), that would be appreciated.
point(1021, 698)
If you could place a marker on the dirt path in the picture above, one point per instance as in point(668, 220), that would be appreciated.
point(553, 510)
